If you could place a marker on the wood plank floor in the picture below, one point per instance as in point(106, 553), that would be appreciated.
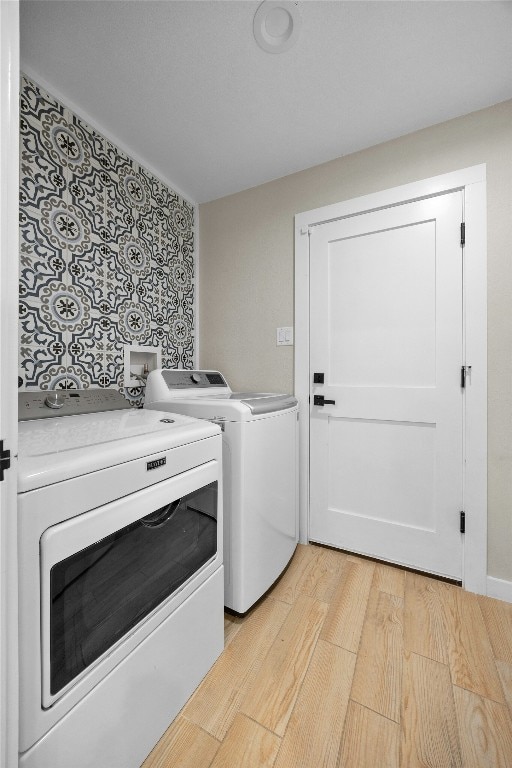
point(347, 663)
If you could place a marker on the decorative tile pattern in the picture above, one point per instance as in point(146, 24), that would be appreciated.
point(106, 255)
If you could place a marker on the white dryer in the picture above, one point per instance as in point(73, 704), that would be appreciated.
point(120, 574)
point(260, 473)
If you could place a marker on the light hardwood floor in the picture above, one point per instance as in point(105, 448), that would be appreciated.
point(347, 663)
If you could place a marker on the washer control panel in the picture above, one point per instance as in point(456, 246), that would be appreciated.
point(50, 403)
point(176, 379)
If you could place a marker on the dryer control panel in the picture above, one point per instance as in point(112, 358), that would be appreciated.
point(50, 403)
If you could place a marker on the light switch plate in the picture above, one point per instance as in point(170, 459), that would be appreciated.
point(284, 336)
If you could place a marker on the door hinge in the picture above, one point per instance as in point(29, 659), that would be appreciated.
point(463, 233)
point(5, 460)
point(463, 522)
point(464, 370)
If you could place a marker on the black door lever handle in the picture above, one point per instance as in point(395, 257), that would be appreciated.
point(320, 400)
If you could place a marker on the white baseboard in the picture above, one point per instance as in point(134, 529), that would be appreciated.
point(499, 588)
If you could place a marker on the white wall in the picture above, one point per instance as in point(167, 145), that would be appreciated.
point(246, 272)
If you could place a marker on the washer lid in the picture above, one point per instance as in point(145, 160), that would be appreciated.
point(206, 394)
point(264, 402)
point(56, 449)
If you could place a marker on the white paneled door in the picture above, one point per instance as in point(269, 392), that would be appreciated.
point(386, 338)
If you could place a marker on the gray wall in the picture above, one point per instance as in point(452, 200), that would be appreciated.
point(246, 272)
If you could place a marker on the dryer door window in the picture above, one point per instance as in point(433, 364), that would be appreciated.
point(99, 594)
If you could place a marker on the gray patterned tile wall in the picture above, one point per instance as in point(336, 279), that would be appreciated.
point(106, 255)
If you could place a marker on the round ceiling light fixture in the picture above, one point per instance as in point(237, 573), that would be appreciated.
point(277, 25)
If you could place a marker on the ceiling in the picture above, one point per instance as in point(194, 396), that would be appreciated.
point(183, 86)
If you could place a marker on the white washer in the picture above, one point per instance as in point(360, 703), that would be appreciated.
point(260, 468)
point(120, 574)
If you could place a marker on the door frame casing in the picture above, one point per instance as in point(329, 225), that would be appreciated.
point(9, 250)
point(472, 181)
